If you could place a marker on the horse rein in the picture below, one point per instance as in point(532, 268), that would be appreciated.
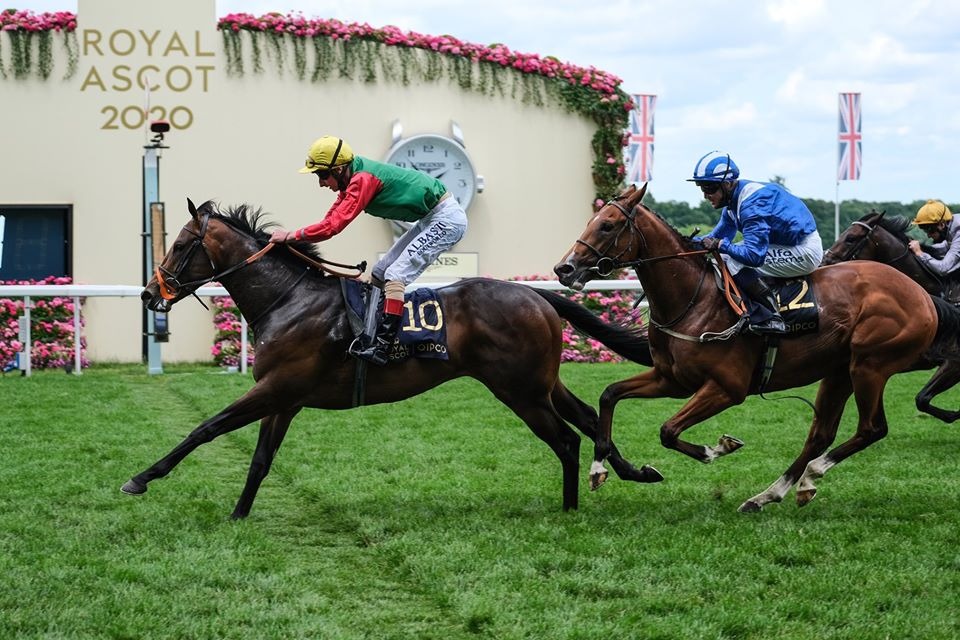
point(169, 281)
point(868, 236)
point(605, 265)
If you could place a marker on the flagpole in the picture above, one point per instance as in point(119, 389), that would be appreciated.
point(836, 214)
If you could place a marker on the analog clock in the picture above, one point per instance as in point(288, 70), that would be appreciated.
point(441, 157)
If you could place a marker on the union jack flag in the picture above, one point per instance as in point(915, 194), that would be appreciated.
point(640, 140)
point(849, 138)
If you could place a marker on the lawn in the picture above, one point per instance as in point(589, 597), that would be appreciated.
point(439, 517)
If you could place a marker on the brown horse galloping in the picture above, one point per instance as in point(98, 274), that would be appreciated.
point(874, 322)
point(883, 239)
point(507, 336)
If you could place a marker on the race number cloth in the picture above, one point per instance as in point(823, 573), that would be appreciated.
point(798, 305)
point(423, 332)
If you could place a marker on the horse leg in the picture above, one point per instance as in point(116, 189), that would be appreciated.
point(253, 405)
point(272, 431)
point(832, 397)
point(946, 377)
point(708, 401)
point(543, 420)
point(871, 426)
point(583, 417)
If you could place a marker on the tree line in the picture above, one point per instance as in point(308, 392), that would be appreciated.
point(687, 218)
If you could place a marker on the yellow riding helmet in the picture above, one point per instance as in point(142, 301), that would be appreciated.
point(327, 152)
point(933, 212)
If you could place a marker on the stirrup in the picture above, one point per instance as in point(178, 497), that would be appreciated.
point(358, 344)
point(377, 353)
point(773, 326)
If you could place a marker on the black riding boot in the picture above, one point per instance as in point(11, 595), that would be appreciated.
point(378, 352)
point(765, 317)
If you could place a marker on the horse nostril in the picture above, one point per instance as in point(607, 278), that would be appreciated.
point(563, 269)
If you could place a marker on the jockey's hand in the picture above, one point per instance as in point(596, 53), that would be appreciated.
point(711, 244)
point(914, 246)
point(282, 236)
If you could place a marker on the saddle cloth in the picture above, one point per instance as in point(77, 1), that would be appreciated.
point(423, 332)
point(798, 305)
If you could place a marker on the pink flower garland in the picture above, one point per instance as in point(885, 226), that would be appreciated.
point(13, 20)
point(296, 25)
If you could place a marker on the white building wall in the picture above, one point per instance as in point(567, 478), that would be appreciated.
point(248, 137)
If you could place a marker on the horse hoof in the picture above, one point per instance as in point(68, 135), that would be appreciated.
point(730, 444)
point(650, 474)
point(597, 480)
point(804, 497)
point(750, 507)
point(133, 488)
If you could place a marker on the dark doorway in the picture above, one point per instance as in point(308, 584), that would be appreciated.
point(35, 241)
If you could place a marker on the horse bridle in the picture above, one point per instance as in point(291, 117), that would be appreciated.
point(606, 264)
point(868, 236)
point(862, 242)
point(169, 281)
point(609, 264)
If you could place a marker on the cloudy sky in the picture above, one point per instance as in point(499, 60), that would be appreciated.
point(758, 79)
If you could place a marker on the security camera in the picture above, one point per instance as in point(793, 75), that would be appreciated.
point(159, 126)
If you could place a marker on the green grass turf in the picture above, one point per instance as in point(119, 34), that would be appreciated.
point(439, 517)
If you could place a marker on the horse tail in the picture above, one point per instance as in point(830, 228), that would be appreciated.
point(631, 344)
point(945, 343)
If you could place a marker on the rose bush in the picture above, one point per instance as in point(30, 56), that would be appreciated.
point(226, 341)
point(51, 328)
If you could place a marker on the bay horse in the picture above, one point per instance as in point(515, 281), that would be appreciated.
point(506, 335)
point(884, 239)
point(874, 322)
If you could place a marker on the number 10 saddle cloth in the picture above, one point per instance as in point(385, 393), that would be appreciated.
point(423, 332)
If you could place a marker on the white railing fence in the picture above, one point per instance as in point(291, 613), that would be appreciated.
point(77, 291)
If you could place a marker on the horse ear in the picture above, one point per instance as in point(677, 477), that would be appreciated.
point(191, 207)
point(638, 195)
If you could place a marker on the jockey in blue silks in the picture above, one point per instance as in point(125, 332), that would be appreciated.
point(780, 237)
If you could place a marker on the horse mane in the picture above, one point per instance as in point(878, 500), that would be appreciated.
point(686, 242)
point(253, 222)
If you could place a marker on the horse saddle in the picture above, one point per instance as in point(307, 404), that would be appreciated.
point(798, 304)
point(423, 332)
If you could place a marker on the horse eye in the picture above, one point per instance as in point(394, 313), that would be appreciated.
point(606, 227)
point(850, 239)
point(177, 246)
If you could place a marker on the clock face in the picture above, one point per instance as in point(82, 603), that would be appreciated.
point(440, 157)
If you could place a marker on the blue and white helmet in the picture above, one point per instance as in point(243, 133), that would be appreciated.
point(716, 166)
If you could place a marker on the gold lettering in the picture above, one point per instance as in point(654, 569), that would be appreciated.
point(184, 86)
point(175, 44)
point(196, 40)
point(131, 43)
point(91, 40)
point(411, 325)
point(143, 77)
point(150, 40)
point(203, 69)
point(93, 78)
point(120, 72)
